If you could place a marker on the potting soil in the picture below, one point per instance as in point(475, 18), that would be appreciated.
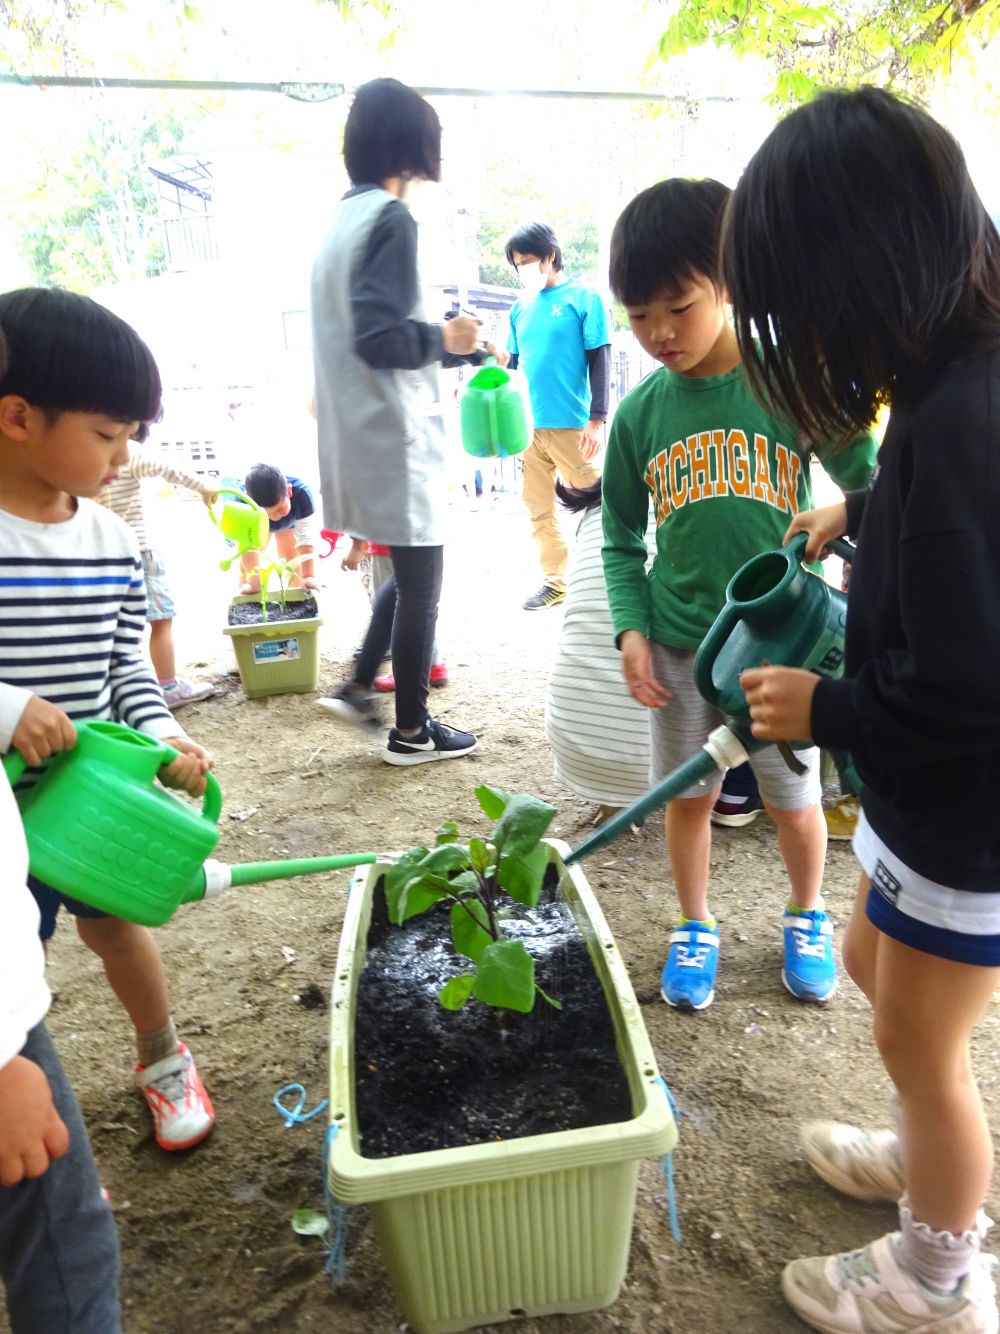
point(249, 613)
point(431, 1078)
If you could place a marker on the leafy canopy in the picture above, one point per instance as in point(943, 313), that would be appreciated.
point(906, 42)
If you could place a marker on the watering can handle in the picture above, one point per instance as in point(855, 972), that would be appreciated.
point(847, 551)
point(211, 803)
point(14, 765)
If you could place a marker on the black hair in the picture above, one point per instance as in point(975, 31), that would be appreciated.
point(857, 252)
point(577, 498)
point(266, 484)
point(391, 131)
point(666, 236)
point(534, 238)
point(66, 353)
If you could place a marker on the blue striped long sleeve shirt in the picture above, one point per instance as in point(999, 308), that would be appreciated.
point(72, 617)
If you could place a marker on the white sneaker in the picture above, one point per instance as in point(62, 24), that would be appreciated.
point(864, 1164)
point(186, 692)
point(871, 1292)
point(357, 707)
point(182, 1111)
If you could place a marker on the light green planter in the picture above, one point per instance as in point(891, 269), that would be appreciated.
point(277, 657)
point(533, 1226)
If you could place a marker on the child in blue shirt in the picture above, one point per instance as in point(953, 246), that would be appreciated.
point(290, 507)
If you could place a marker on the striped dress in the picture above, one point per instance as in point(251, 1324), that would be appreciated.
point(72, 617)
point(598, 733)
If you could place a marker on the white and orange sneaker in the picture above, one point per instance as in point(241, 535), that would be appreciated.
point(182, 1111)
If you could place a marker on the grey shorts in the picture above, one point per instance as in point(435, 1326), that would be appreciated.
point(679, 729)
point(159, 603)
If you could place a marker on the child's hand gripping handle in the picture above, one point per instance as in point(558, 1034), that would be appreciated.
point(211, 802)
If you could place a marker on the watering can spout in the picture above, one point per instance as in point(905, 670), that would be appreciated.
point(215, 876)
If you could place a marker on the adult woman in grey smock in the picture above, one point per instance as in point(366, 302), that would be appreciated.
point(380, 431)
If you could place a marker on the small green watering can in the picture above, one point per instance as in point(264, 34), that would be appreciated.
point(102, 830)
point(494, 422)
point(241, 521)
point(777, 611)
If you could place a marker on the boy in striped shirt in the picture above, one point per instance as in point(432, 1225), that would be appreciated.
point(78, 386)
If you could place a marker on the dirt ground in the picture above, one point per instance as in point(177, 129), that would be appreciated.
point(206, 1235)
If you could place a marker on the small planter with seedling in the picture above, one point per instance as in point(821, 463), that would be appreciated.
point(493, 1087)
point(275, 634)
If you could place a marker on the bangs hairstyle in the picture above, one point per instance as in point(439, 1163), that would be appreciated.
point(855, 252)
point(391, 131)
point(66, 353)
point(665, 237)
point(535, 238)
point(266, 484)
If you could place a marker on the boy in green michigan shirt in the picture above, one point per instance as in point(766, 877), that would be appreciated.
point(724, 477)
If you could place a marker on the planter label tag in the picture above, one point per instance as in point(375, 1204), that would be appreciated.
point(276, 650)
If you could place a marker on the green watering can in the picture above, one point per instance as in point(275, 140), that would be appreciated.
point(102, 830)
point(494, 422)
point(777, 611)
point(241, 521)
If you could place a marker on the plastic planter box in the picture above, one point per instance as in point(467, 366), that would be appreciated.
point(277, 657)
point(524, 1227)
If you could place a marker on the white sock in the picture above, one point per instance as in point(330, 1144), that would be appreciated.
point(939, 1259)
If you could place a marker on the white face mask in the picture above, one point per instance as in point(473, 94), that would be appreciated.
point(533, 278)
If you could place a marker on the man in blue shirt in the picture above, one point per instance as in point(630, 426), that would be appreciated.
point(559, 337)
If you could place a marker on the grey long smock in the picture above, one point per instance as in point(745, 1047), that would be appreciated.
point(380, 430)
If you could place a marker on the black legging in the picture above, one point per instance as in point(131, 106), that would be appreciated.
point(404, 618)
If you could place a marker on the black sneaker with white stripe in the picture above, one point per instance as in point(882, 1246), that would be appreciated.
point(435, 741)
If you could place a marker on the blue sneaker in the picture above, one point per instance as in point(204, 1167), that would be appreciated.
point(809, 972)
point(688, 981)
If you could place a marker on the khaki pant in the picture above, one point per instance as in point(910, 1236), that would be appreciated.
point(552, 450)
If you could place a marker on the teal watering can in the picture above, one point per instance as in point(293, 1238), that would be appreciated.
point(493, 418)
point(777, 611)
point(101, 829)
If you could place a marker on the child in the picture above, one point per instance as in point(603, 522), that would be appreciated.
point(599, 735)
point(290, 507)
point(862, 205)
point(80, 384)
point(124, 497)
point(725, 476)
point(54, 1223)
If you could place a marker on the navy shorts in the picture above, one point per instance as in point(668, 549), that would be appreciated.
point(49, 902)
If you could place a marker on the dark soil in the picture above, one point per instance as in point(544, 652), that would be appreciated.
point(445, 1078)
point(249, 613)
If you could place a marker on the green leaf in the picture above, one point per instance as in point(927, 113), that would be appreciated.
point(310, 1223)
point(447, 832)
point(410, 889)
point(522, 877)
point(492, 800)
point(455, 993)
point(506, 977)
point(439, 861)
point(466, 883)
point(524, 821)
point(480, 854)
point(396, 879)
point(549, 1000)
point(471, 937)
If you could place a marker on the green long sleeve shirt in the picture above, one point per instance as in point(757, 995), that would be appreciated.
point(725, 478)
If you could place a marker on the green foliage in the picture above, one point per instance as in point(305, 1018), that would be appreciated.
point(285, 570)
point(91, 216)
point(310, 1223)
point(471, 875)
point(907, 42)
